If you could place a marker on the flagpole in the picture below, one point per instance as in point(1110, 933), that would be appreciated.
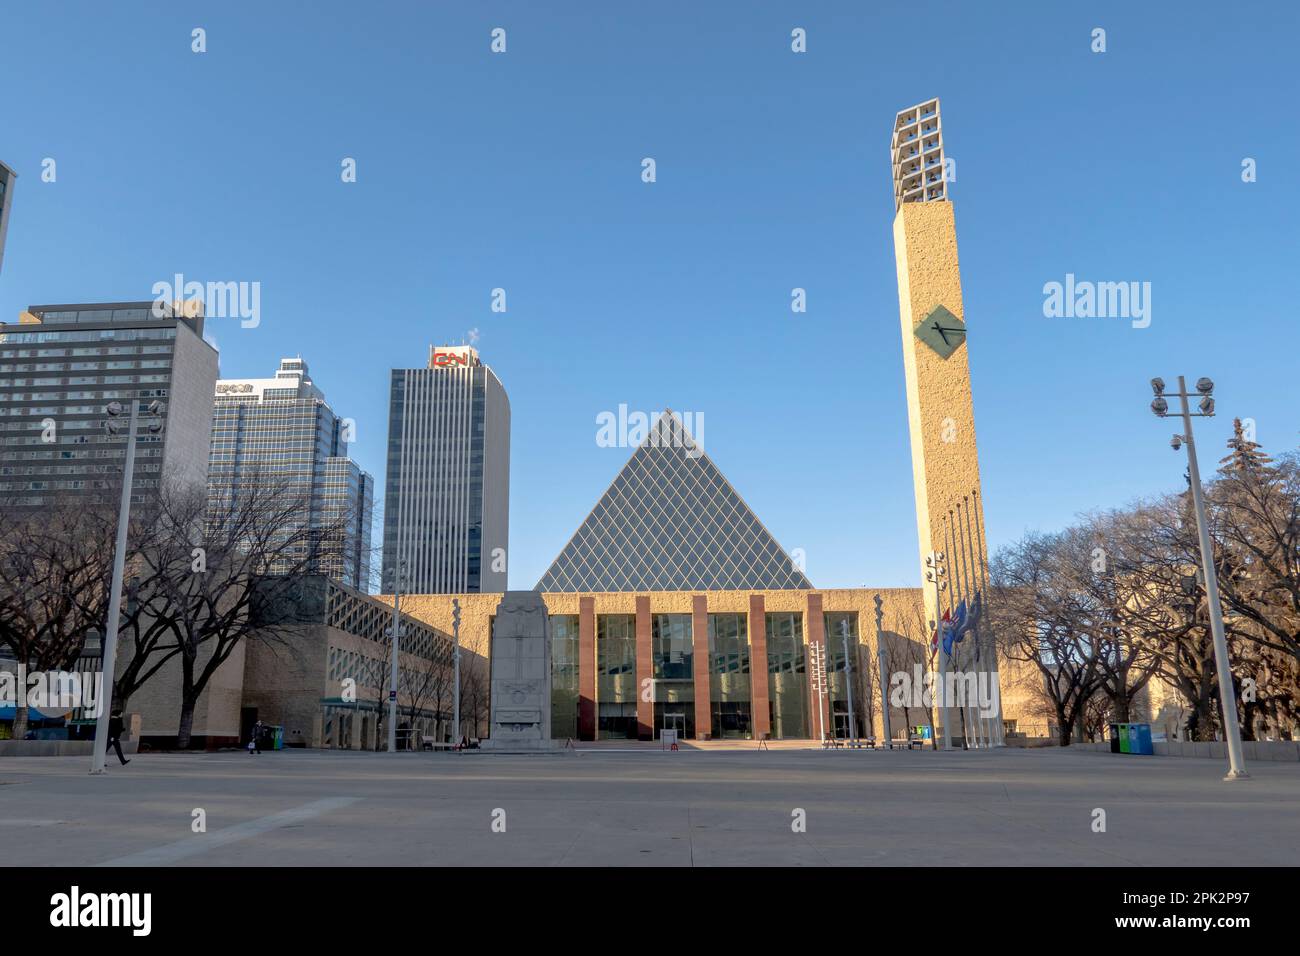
point(976, 720)
point(952, 625)
point(965, 574)
point(977, 568)
point(998, 730)
point(948, 671)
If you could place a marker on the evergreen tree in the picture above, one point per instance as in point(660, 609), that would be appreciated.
point(1245, 457)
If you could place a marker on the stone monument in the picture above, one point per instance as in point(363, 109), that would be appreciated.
point(521, 676)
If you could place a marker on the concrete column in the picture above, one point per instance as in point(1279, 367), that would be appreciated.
point(759, 706)
point(815, 630)
point(645, 709)
point(586, 668)
point(700, 647)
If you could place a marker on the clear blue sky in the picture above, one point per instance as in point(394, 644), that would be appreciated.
point(522, 171)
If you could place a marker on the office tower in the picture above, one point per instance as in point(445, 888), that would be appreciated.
point(60, 365)
point(7, 177)
point(447, 497)
point(281, 433)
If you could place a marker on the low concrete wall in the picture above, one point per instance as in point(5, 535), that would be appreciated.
point(59, 748)
point(1283, 750)
point(1021, 740)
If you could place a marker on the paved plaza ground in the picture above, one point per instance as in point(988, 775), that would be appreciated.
point(647, 807)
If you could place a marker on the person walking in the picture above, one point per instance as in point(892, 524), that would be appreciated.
point(255, 741)
point(115, 734)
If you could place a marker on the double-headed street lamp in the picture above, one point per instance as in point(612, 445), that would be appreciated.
point(113, 426)
point(1227, 697)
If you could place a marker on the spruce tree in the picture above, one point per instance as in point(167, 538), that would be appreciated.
point(1245, 457)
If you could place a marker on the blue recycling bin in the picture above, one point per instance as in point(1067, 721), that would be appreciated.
point(1139, 739)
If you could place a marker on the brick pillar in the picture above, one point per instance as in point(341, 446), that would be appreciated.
point(700, 647)
point(645, 709)
point(758, 705)
point(586, 668)
point(815, 628)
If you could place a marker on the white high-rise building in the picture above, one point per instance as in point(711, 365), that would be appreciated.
point(280, 432)
point(447, 495)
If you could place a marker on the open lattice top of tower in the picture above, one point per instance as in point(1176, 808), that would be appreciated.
point(917, 151)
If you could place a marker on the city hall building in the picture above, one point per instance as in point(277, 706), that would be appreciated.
point(673, 607)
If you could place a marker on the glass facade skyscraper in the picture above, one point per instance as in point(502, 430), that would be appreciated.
point(280, 430)
point(60, 365)
point(447, 490)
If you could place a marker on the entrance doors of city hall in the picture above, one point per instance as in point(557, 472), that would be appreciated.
point(675, 722)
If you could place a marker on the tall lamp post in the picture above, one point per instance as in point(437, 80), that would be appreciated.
point(455, 637)
point(884, 678)
point(396, 629)
point(113, 426)
point(935, 572)
point(848, 675)
point(1227, 696)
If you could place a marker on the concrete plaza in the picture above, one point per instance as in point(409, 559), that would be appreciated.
point(618, 807)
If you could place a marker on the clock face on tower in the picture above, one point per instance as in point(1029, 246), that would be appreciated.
point(941, 330)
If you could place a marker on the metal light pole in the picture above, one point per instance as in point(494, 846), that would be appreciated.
point(392, 665)
point(109, 650)
point(935, 574)
point(848, 676)
point(1227, 696)
point(455, 637)
point(815, 652)
point(884, 679)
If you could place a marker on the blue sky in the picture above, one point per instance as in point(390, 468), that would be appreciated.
point(523, 171)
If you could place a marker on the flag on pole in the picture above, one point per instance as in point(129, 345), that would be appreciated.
point(958, 626)
point(934, 633)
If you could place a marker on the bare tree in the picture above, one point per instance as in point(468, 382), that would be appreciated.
point(245, 553)
point(55, 572)
point(427, 684)
point(1041, 621)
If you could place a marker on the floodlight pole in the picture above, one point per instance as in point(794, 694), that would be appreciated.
point(935, 574)
point(884, 679)
point(848, 676)
point(392, 664)
point(455, 636)
point(109, 651)
point(1227, 696)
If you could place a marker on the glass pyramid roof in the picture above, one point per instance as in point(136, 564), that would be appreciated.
point(671, 522)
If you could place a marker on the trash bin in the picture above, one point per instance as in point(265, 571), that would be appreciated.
point(271, 738)
point(1131, 739)
point(1139, 739)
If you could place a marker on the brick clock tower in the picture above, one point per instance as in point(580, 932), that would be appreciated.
point(945, 463)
